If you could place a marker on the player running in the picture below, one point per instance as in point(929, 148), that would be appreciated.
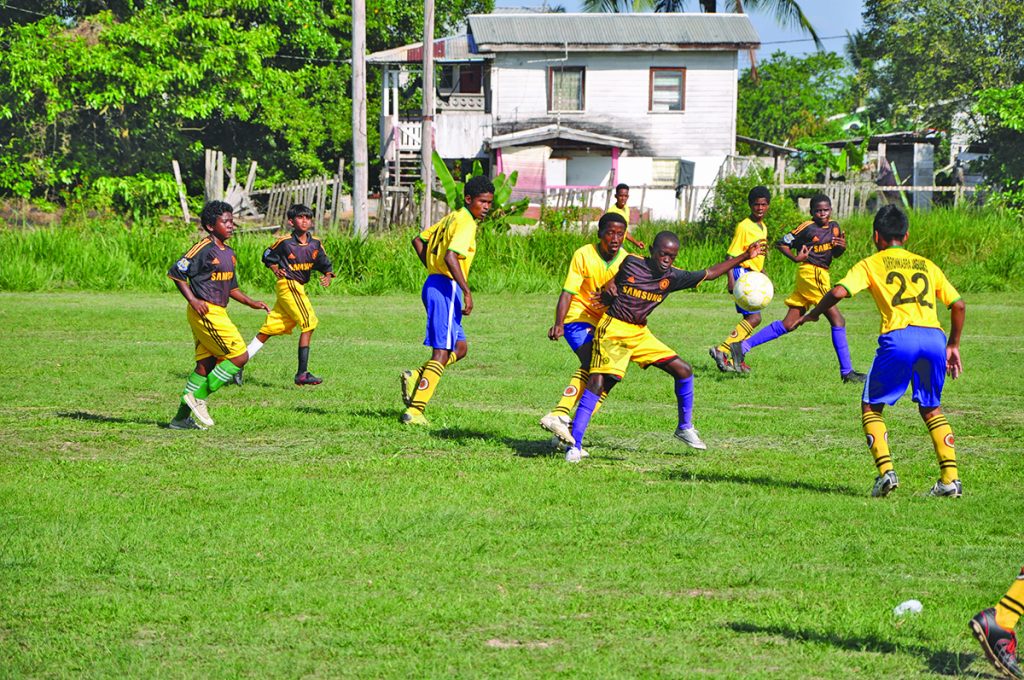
point(993, 627)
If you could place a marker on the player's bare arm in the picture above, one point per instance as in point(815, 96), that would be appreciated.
point(421, 249)
point(838, 245)
point(199, 305)
point(561, 309)
point(278, 271)
point(451, 260)
point(237, 294)
point(726, 266)
point(326, 279)
point(799, 257)
point(830, 300)
point(636, 242)
point(957, 314)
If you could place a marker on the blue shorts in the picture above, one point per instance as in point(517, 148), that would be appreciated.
point(442, 298)
point(737, 272)
point(909, 354)
point(578, 333)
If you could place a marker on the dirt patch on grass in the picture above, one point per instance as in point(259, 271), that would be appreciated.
point(498, 643)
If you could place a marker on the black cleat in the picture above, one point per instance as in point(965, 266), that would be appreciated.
point(307, 378)
point(998, 643)
point(738, 355)
point(854, 377)
point(721, 360)
point(237, 378)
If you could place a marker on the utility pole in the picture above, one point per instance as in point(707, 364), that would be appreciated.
point(428, 112)
point(360, 185)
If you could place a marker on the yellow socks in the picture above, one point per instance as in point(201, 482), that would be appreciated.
point(572, 393)
point(742, 331)
point(878, 440)
point(942, 440)
point(1011, 607)
point(597, 406)
point(430, 376)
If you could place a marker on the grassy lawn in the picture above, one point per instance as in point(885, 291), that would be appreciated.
point(310, 534)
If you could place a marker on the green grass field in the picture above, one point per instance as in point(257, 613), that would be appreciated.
point(309, 534)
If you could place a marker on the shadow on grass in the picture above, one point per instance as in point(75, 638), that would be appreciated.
point(390, 414)
point(114, 420)
point(684, 475)
point(314, 410)
point(942, 662)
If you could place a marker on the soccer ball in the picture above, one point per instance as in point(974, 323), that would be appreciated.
point(753, 291)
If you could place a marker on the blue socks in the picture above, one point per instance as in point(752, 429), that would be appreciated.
point(584, 410)
point(774, 330)
point(684, 400)
point(842, 350)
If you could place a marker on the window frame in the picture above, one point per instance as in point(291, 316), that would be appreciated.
point(681, 70)
point(583, 88)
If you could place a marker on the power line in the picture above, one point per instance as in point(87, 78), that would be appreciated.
point(797, 40)
point(22, 9)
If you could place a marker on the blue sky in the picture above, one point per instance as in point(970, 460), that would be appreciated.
point(829, 18)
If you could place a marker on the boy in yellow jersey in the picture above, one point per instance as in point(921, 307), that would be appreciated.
point(812, 245)
point(911, 346)
point(620, 208)
point(578, 312)
point(293, 259)
point(993, 627)
point(446, 249)
point(205, 276)
point(751, 230)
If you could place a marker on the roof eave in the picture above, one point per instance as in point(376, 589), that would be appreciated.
point(626, 47)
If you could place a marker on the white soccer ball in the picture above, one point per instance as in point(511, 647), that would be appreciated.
point(753, 291)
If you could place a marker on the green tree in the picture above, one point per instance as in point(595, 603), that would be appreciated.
point(1003, 114)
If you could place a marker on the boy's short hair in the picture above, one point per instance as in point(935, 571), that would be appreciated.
point(607, 220)
point(213, 210)
point(299, 210)
point(621, 186)
point(478, 185)
point(820, 198)
point(891, 223)
point(759, 192)
point(664, 236)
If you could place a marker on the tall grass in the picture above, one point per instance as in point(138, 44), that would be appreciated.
point(978, 251)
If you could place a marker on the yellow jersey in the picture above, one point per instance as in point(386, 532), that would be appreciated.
point(620, 211)
point(748, 233)
point(588, 271)
point(904, 286)
point(456, 232)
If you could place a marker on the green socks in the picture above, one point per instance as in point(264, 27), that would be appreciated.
point(221, 374)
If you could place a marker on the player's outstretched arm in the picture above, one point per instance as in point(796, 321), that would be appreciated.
point(186, 292)
point(421, 249)
point(237, 294)
point(830, 300)
point(788, 252)
point(717, 270)
point(561, 309)
point(954, 365)
point(451, 260)
point(839, 245)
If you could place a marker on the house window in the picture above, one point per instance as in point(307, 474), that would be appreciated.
point(566, 88)
point(667, 87)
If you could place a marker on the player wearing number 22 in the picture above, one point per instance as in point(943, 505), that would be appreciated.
point(912, 348)
point(447, 250)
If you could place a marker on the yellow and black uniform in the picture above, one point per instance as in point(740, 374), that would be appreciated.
point(298, 260)
point(456, 232)
point(588, 272)
point(622, 334)
point(812, 275)
point(209, 271)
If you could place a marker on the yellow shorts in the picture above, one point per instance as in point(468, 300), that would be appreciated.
point(811, 285)
point(215, 334)
point(291, 309)
point(616, 343)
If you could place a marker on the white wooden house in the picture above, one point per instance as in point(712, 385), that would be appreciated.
point(580, 100)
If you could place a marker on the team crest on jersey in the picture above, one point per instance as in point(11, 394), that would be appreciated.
point(663, 284)
point(182, 264)
point(315, 253)
point(948, 439)
point(570, 391)
point(424, 384)
point(234, 260)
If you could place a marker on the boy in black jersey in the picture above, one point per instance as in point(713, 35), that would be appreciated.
point(293, 259)
point(622, 335)
point(205, 276)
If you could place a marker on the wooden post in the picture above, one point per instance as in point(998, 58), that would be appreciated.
point(427, 142)
point(360, 161)
point(181, 192)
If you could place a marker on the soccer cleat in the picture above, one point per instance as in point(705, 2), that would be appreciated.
point(854, 377)
point(884, 484)
point(185, 423)
point(721, 360)
point(954, 489)
point(744, 368)
point(574, 455)
point(307, 378)
point(558, 426)
point(411, 417)
point(691, 438)
point(736, 350)
point(558, 445)
point(198, 408)
point(237, 378)
point(998, 643)
point(408, 380)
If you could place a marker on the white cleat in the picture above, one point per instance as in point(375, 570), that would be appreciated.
point(185, 423)
point(558, 445)
point(574, 455)
point(198, 408)
point(558, 426)
point(691, 438)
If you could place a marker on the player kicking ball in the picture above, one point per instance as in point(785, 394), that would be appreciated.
point(912, 348)
point(205, 276)
point(293, 259)
point(622, 335)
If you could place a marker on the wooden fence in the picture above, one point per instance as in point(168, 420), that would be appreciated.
point(850, 198)
point(322, 194)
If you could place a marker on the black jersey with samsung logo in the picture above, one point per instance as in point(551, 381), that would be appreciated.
point(298, 260)
point(818, 239)
point(209, 270)
point(641, 289)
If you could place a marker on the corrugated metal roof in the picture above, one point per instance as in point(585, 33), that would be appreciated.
point(451, 49)
point(501, 32)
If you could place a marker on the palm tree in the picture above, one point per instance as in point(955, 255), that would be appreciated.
point(787, 12)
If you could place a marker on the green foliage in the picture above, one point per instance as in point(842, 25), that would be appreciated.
point(729, 207)
point(140, 197)
point(793, 96)
point(504, 211)
point(1003, 112)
